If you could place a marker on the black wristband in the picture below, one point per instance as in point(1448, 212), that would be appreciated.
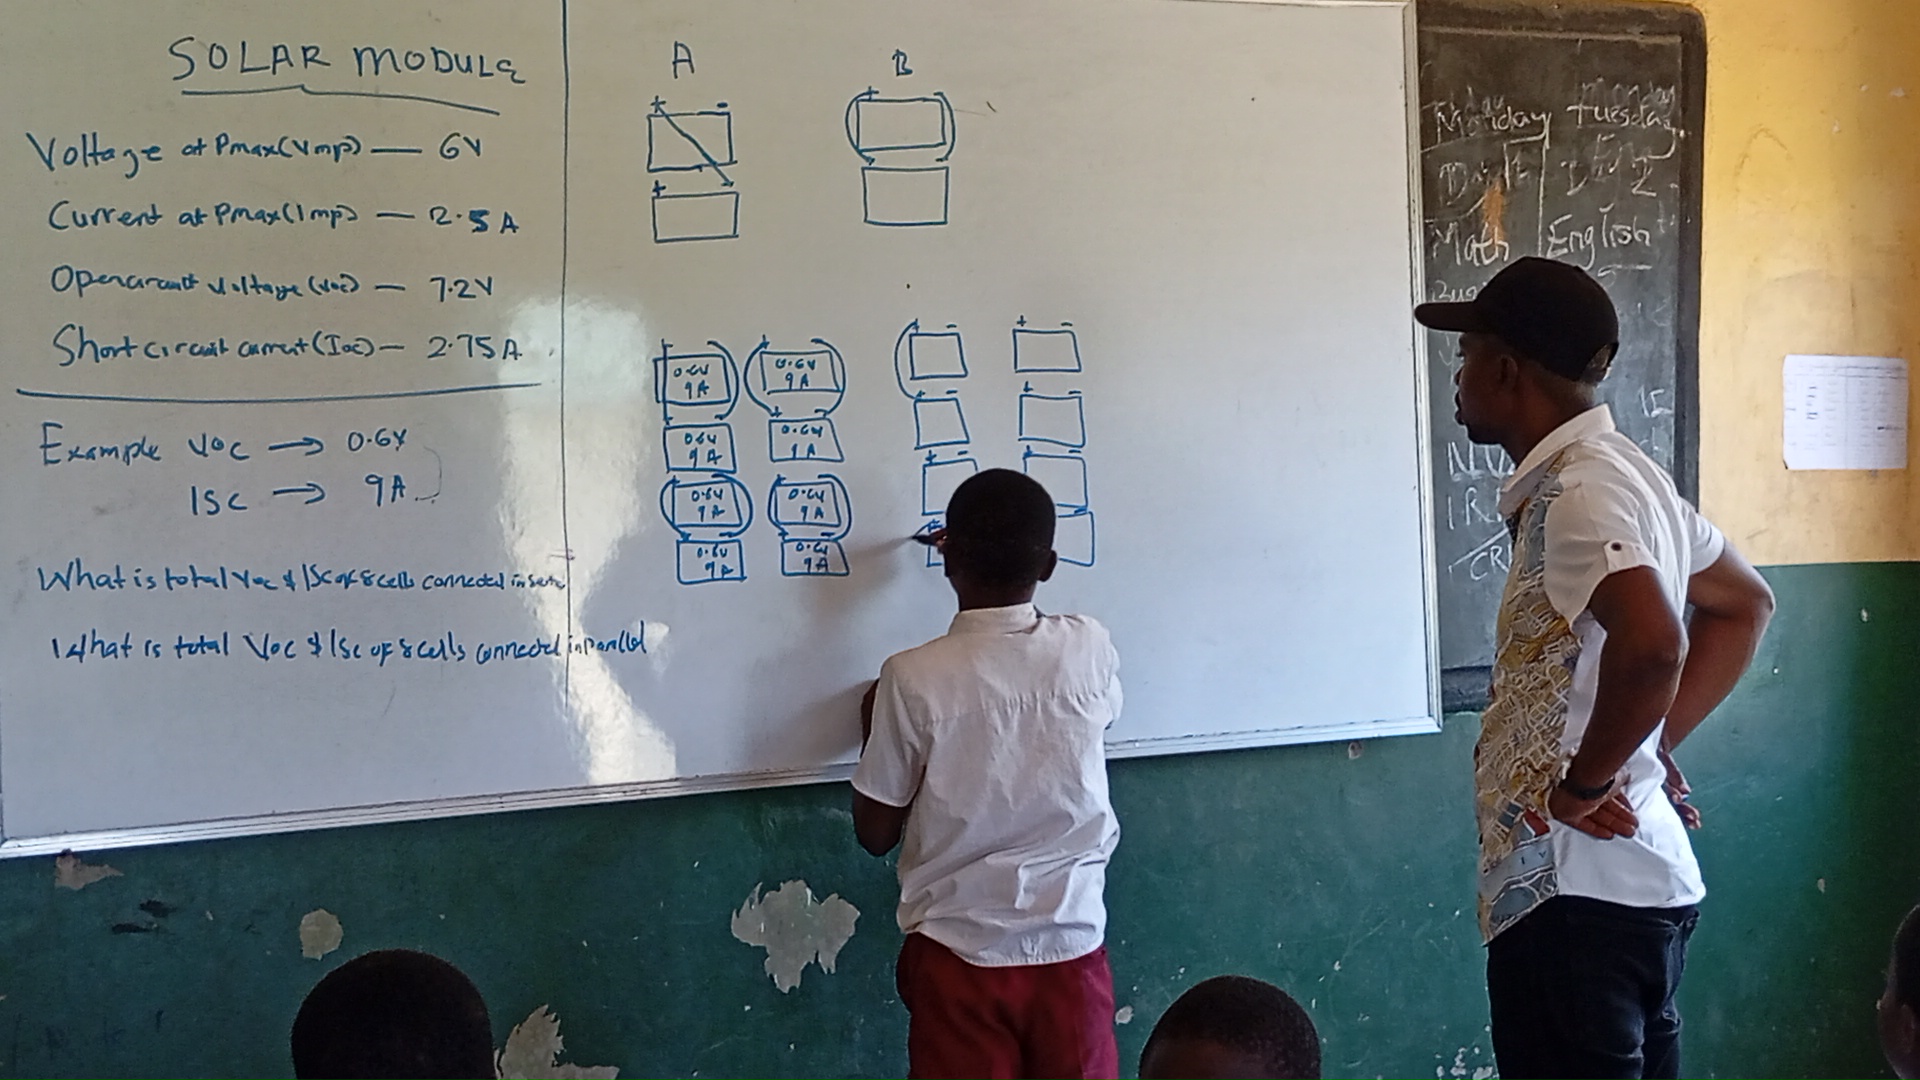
point(1586, 794)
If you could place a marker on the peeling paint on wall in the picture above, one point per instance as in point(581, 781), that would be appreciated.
point(533, 1053)
point(71, 872)
point(1461, 1070)
point(156, 908)
point(795, 929)
point(320, 933)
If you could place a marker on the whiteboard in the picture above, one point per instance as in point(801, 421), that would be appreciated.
point(416, 415)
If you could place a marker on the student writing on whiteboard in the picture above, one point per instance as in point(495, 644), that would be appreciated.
point(984, 760)
point(1588, 883)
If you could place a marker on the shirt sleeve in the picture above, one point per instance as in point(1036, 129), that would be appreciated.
point(1704, 538)
point(1115, 696)
point(895, 757)
point(1593, 530)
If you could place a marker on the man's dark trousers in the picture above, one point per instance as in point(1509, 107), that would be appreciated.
point(1585, 988)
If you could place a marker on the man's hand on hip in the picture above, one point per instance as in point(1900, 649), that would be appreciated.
point(1603, 818)
point(1677, 790)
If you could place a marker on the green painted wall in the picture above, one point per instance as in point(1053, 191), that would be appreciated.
point(1348, 880)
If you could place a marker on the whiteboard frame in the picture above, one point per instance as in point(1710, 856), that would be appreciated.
point(465, 806)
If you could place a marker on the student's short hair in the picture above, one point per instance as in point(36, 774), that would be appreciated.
point(394, 1012)
point(1255, 1018)
point(1906, 961)
point(1000, 528)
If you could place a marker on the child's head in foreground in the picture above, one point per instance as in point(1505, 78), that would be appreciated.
point(1900, 1005)
point(1232, 1026)
point(393, 1013)
point(999, 536)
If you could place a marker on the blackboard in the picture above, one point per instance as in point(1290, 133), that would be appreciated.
point(1573, 133)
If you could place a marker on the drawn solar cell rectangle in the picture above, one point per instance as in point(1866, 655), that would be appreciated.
point(719, 505)
point(803, 440)
point(936, 356)
point(693, 379)
point(905, 197)
point(939, 478)
point(1061, 421)
point(1063, 475)
point(702, 561)
point(699, 448)
point(813, 558)
point(683, 142)
point(881, 124)
point(814, 505)
point(798, 371)
point(1073, 537)
point(710, 215)
point(1045, 350)
point(938, 422)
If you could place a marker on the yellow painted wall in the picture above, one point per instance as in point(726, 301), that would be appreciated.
point(1811, 244)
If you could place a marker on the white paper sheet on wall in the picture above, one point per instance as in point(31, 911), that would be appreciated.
point(1846, 412)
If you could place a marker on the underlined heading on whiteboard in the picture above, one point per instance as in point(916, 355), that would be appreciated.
point(311, 92)
point(444, 391)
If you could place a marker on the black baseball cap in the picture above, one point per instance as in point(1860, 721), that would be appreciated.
point(1552, 313)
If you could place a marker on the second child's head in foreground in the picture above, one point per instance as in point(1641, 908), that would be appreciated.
point(394, 1012)
point(1900, 1005)
point(998, 545)
point(1232, 1026)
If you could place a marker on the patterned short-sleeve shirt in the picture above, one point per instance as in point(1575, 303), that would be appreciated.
point(1585, 504)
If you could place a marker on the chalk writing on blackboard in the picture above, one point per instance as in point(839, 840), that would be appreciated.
point(1584, 159)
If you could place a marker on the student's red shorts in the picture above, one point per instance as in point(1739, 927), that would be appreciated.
point(1032, 1020)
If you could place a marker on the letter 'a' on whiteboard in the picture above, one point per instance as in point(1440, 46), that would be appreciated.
point(1845, 412)
point(417, 417)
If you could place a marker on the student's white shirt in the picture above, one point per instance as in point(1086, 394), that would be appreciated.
point(995, 733)
point(1611, 509)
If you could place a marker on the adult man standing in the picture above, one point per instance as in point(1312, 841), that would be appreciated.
point(1588, 884)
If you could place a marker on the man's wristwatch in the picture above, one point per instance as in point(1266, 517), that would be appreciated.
point(1586, 794)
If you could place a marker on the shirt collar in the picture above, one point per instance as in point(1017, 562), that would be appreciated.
point(995, 620)
point(1595, 421)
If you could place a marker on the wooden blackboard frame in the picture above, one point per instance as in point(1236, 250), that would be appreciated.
point(1465, 688)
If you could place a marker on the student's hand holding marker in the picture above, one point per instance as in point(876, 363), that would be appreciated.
point(937, 539)
point(1602, 816)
